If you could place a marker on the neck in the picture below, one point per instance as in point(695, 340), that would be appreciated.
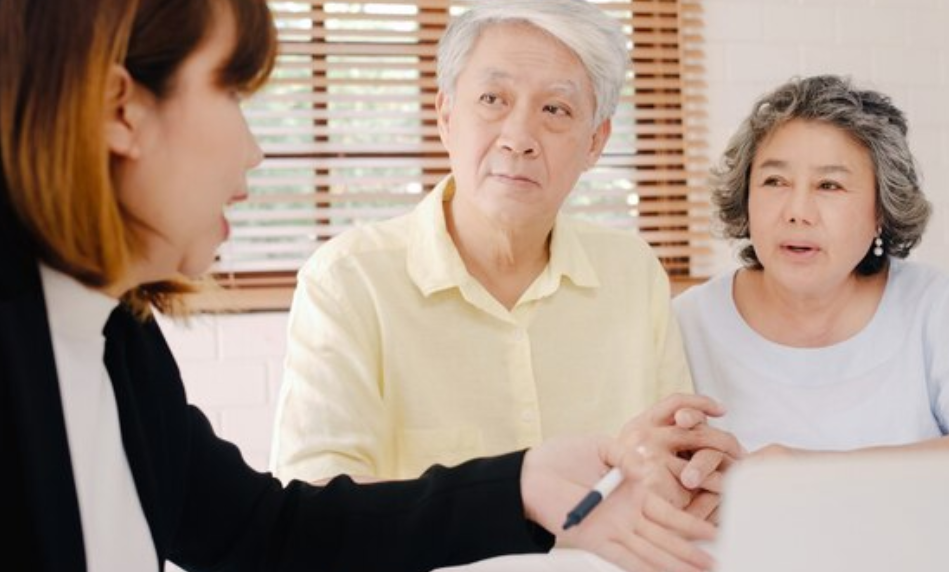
point(505, 259)
point(809, 320)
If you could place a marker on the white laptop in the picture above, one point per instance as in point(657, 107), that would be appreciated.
point(873, 513)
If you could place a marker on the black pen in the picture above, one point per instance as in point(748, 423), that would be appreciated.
point(600, 491)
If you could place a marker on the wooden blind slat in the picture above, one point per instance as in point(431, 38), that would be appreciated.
point(348, 130)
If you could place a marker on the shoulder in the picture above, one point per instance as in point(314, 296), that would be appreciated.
point(385, 238)
point(605, 244)
point(916, 284)
point(712, 293)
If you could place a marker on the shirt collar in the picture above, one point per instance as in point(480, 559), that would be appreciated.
point(75, 310)
point(434, 263)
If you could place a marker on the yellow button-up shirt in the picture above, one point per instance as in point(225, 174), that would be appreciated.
point(398, 358)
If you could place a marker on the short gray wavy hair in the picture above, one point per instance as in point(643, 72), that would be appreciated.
point(868, 116)
point(594, 36)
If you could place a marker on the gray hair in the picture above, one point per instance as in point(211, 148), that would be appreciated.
point(595, 37)
point(870, 118)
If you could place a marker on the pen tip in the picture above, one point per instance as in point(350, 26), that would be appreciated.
point(570, 522)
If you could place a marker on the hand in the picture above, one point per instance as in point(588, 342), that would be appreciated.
point(676, 432)
point(703, 471)
point(633, 527)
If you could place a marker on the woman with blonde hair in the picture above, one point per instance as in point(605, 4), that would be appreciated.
point(121, 143)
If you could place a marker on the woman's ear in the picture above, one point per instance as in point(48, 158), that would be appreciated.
point(124, 113)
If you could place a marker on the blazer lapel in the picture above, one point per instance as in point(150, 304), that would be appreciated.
point(26, 353)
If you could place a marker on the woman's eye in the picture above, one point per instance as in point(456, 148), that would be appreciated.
point(829, 186)
point(772, 182)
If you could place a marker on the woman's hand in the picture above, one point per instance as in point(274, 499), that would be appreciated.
point(643, 524)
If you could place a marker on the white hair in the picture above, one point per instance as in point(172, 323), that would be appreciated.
point(596, 38)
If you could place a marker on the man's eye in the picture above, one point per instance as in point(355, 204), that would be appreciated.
point(556, 110)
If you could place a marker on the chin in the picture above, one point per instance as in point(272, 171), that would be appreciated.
point(196, 266)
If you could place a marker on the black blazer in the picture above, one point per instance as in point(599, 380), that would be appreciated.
point(205, 507)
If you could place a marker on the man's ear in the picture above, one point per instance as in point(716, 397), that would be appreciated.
point(443, 112)
point(124, 113)
point(600, 136)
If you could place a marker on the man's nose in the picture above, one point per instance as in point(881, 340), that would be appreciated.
point(517, 134)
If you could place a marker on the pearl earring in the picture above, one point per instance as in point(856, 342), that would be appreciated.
point(878, 246)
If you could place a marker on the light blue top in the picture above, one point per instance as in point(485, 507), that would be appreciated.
point(888, 384)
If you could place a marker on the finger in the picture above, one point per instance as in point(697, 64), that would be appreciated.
point(673, 545)
point(663, 412)
point(704, 505)
point(701, 465)
point(678, 522)
point(621, 555)
point(665, 483)
point(688, 418)
point(658, 474)
point(716, 481)
point(648, 544)
point(713, 483)
point(703, 437)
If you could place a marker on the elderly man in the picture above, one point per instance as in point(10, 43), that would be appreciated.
point(485, 321)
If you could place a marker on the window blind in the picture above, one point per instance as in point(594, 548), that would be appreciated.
point(348, 129)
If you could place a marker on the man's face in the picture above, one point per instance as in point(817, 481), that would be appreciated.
point(519, 128)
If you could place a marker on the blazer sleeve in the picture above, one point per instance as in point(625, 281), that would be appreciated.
point(449, 516)
point(209, 510)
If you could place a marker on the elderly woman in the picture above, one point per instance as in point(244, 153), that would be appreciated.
point(485, 321)
point(827, 339)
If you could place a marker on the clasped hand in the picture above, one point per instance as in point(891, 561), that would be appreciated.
point(672, 462)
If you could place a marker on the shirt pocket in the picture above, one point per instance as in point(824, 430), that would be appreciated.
point(419, 449)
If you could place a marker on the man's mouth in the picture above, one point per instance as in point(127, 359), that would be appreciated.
point(514, 178)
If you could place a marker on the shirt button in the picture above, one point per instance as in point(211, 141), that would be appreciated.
point(519, 335)
point(527, 416)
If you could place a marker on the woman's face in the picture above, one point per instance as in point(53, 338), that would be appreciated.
point(811, 206)
point(189, 160)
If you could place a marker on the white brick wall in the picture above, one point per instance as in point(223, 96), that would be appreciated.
point(232, 364)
